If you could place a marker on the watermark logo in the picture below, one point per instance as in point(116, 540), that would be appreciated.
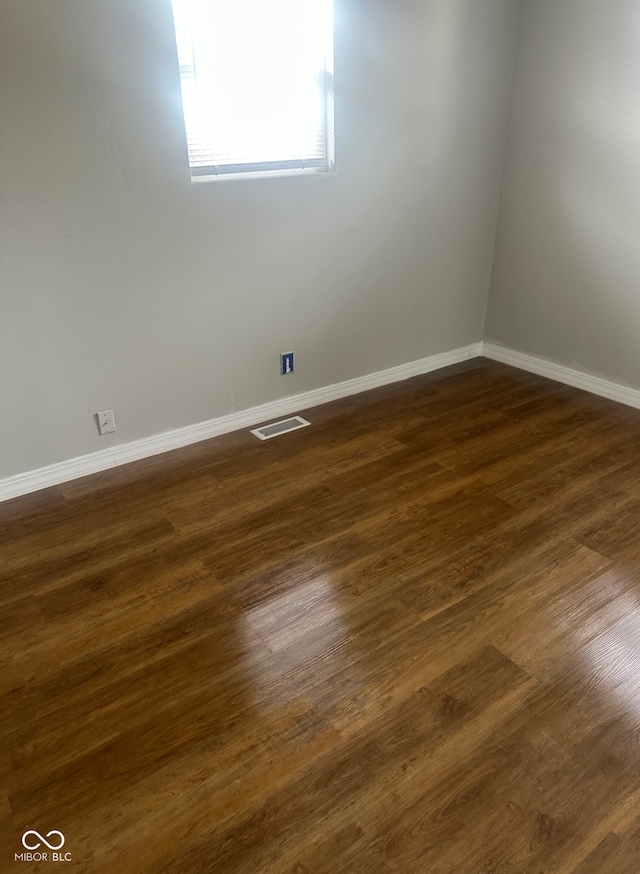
point(40, 840)
point(35, 844)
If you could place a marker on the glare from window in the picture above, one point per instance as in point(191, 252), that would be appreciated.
point(257, 84)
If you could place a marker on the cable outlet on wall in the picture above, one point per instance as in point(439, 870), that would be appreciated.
point(286, 363)
point(106, 422)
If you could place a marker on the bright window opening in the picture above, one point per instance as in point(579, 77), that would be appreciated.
point(257, 85)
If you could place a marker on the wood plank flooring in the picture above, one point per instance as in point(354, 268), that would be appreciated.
point(406, 639)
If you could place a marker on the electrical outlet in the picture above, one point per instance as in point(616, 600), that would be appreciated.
point(286, 363)
point(106, 422)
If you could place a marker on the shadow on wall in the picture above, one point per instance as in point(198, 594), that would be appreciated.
point(567, 262)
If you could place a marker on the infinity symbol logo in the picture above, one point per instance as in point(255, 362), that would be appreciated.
point(43, 840)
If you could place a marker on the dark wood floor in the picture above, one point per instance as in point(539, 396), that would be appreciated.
point(406, 639)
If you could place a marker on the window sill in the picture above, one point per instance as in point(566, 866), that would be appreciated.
point(265, 174)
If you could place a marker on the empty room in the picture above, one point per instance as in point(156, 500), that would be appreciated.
point(320, 436)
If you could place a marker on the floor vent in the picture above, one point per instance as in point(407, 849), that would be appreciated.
point(265, 432)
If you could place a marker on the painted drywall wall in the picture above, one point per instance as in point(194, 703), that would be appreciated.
point(125, 287)
point(566, 279)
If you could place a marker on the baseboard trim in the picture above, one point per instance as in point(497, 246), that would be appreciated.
point(124, 453)
point(567, 375)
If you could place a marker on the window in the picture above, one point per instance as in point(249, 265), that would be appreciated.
point(257, 85)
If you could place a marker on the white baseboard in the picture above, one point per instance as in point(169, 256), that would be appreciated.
point(567, 375)
point(65, 471)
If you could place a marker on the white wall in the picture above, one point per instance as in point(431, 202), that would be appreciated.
point(566, 280)
point(124, 286)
